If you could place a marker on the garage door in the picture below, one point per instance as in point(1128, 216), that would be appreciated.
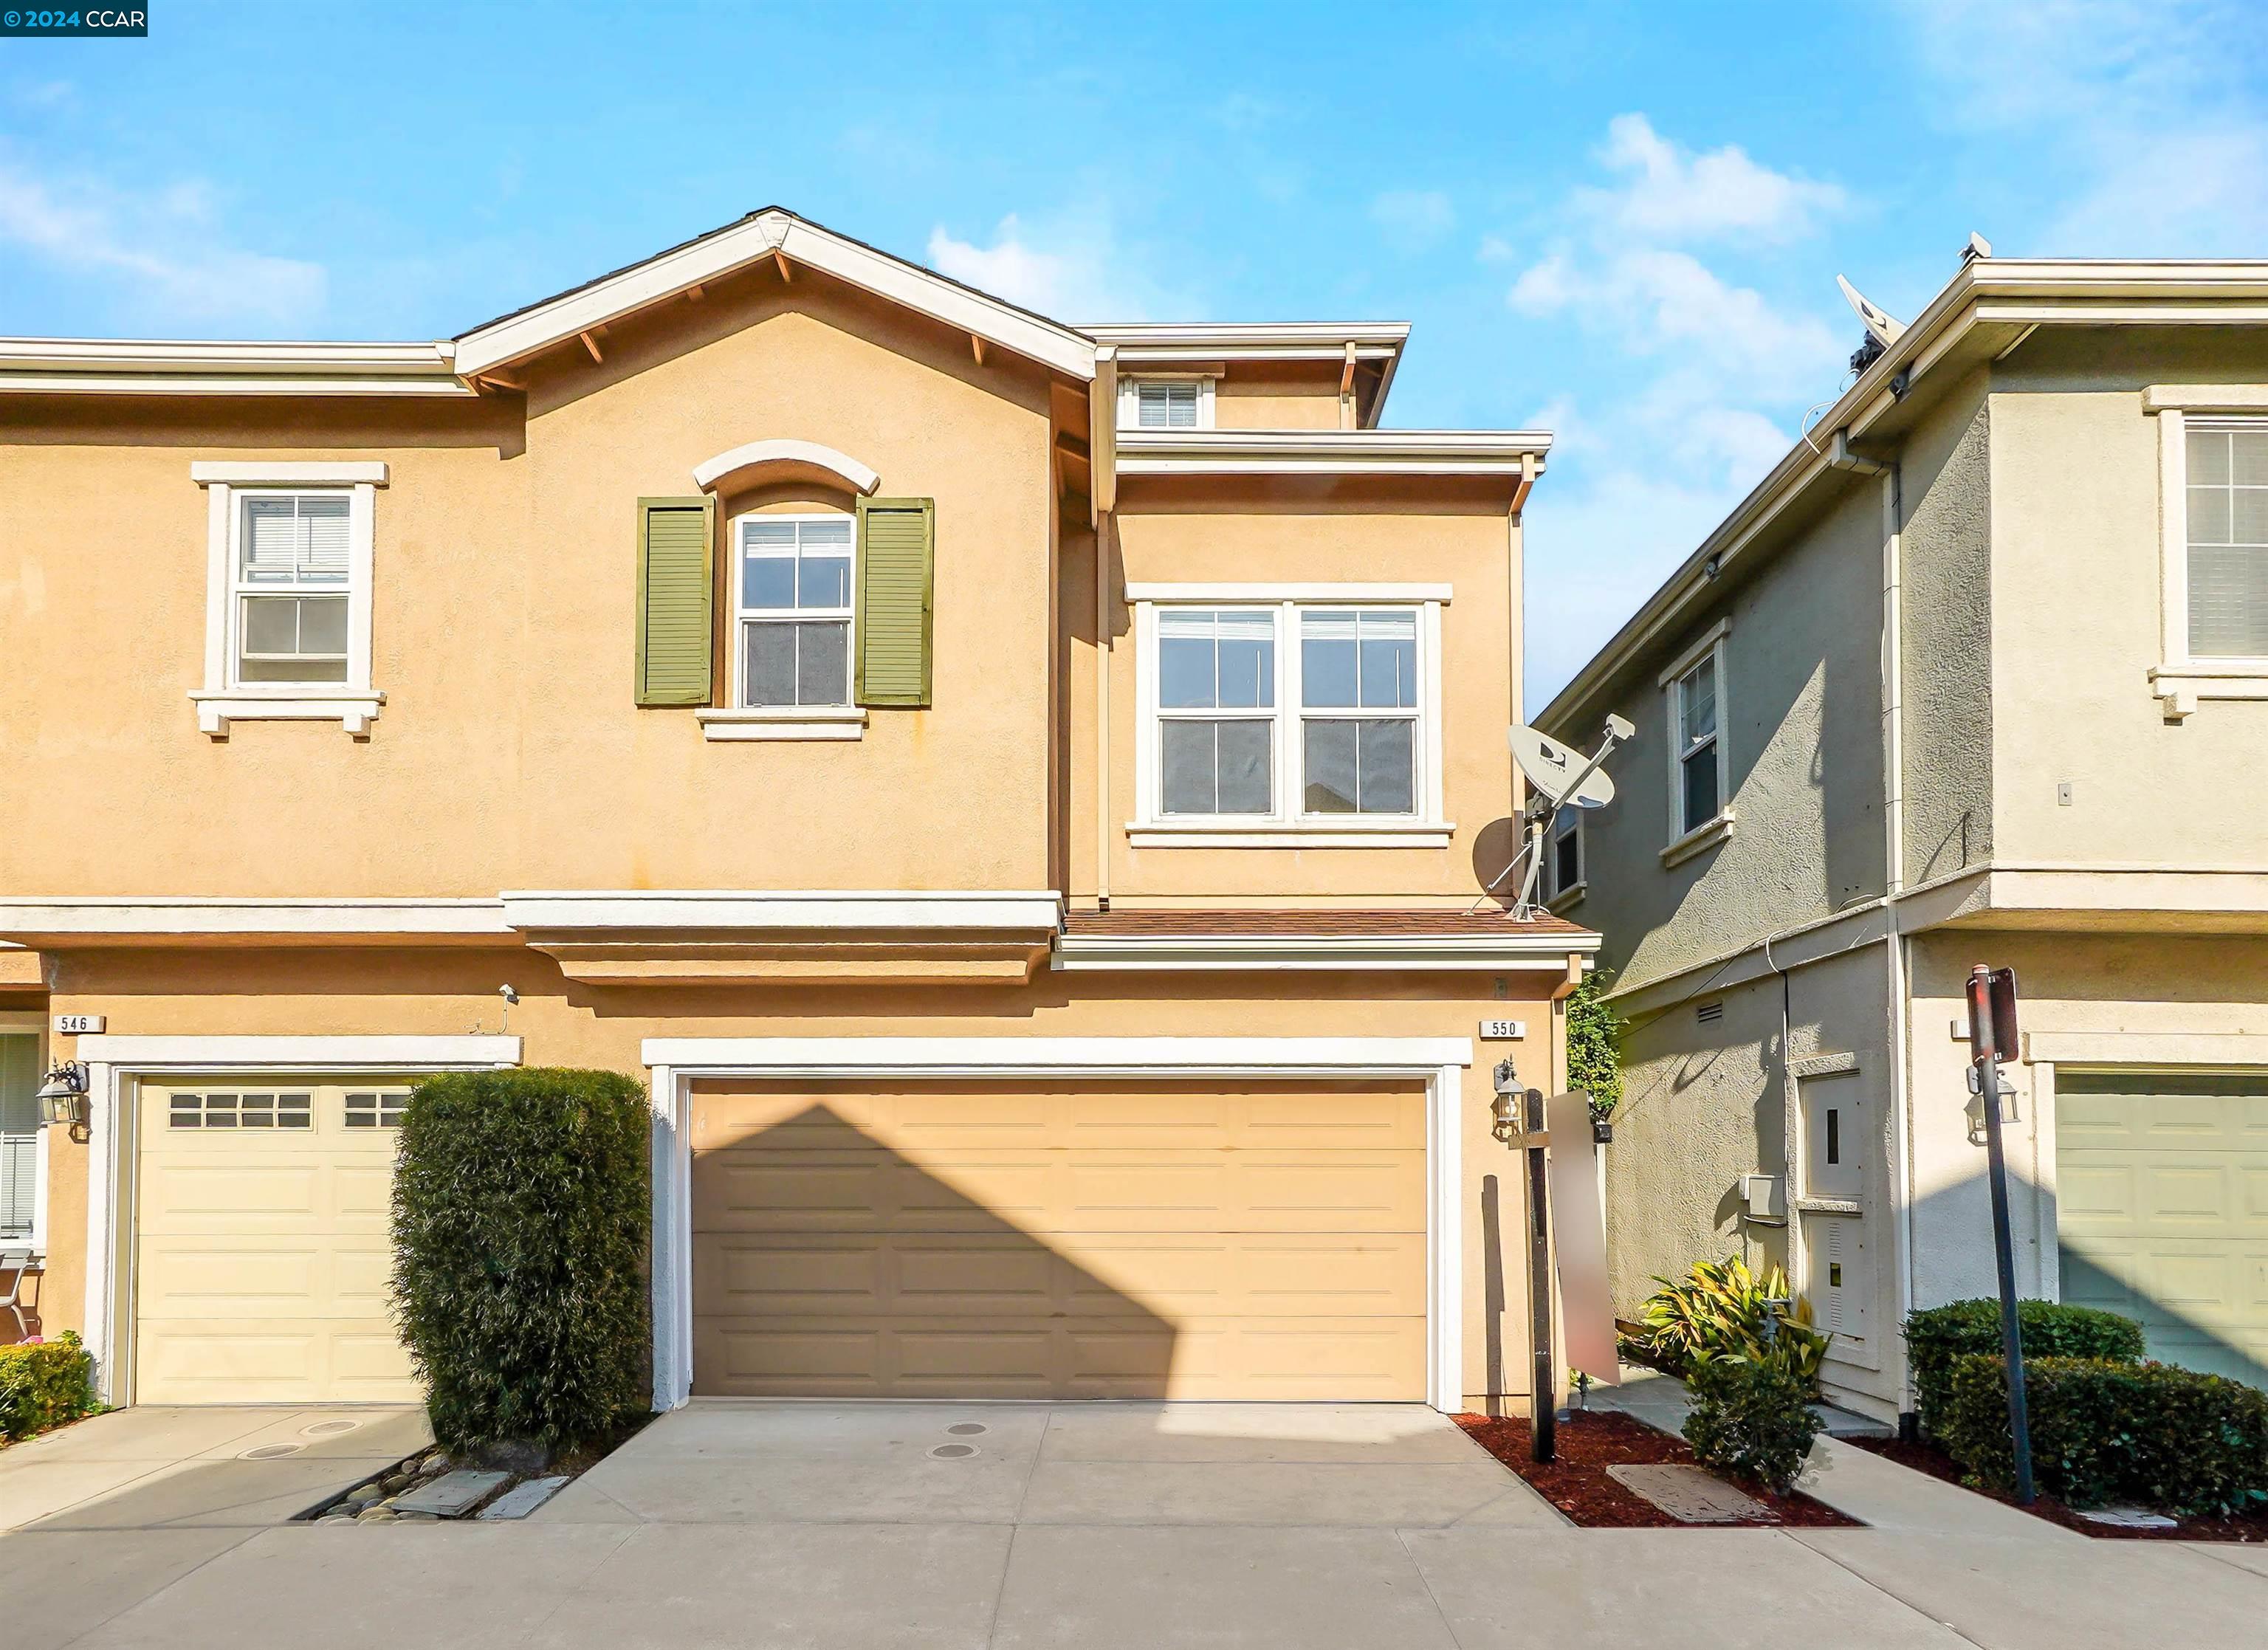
point(262, 1247)
point(2162, 1194)
point(981, 1241)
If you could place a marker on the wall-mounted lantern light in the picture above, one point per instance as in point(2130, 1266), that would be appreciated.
point(63, 1097)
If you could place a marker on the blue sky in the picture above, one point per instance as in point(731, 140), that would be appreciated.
point(1621, 222)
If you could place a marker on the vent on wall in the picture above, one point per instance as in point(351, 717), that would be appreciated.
point(1709, 1012)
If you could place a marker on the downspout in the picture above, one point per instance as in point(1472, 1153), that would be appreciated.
point(1102, 448)
point(1898, 964)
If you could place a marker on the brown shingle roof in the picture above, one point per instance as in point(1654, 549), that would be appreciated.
point(1313, 925)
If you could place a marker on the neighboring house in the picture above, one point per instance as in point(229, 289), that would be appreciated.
point(1023, 794)
point(1979, 674)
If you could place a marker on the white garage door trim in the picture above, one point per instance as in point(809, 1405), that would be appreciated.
point(675, 1062)
point(115, 1064)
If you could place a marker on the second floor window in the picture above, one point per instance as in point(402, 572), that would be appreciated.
point(791, 593)
point(2227, 537)
point(290, 589)
point(1563, 865)
point(1288, 713)
point(1698, 777)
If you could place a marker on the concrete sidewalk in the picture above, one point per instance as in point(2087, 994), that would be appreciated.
point(1323, 1527)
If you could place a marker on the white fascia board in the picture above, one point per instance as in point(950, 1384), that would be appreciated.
point(740, 243)
point(1549, 952)
point(952, 1056)
point(1235, 337)
point(163, 916)
point(299, 1053)
point(183, 384)
point(122, 355)
point(1015, 912)
point(1336, 452)
point(286, 473)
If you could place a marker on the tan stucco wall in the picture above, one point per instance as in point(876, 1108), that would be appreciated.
point(151, 992)
point(1277, 395)
point(1370, 535)
point(509, 753)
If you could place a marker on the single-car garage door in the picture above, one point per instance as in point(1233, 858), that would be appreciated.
point(262, 1246)
point(966, 1241)
point(2162, 1211)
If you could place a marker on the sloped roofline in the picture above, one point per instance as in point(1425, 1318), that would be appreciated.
point(2011, 296)
point(773, 229)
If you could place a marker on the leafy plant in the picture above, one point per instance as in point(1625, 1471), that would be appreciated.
point(2109, 1429)
point(44, 1384)
point(1718, 1310)
point(1937, 1338)
point(1752, 1419)
point(1594, 1032)
point(520, 1221)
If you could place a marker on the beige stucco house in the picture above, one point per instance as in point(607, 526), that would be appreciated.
point(1023, 793)
point(1979, 674)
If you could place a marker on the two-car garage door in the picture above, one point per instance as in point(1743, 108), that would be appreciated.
point(1196, 1240)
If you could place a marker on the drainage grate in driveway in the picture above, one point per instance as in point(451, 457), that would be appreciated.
point(952, 1451)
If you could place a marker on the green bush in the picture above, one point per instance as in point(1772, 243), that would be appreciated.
point(1935, 1337)
point(1717, 1310)
point(522, 1210)
point(1594, 1035)
point(1751, 1418)
point(43, 1384)
point(2105, 1430)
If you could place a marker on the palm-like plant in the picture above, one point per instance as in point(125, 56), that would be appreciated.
point(1719, 1311)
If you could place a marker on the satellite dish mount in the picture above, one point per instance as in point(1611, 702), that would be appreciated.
point(1558, 776)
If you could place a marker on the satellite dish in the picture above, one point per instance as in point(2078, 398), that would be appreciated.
point(1553, 768)
point(1879, 325)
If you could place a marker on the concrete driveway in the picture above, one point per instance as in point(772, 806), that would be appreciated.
point(1323, 1527)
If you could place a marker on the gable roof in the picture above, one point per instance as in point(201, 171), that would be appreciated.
point(773, 229)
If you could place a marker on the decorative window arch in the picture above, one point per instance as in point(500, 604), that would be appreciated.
point(747, 466)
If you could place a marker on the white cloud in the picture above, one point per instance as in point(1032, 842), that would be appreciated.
point(1672, 193)
point(1072, 269)
point(2148, 109)
point(163, 252)
point(1420, 216)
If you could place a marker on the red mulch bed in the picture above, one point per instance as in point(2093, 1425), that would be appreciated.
point(1930, 1459)
point(1590, 1441)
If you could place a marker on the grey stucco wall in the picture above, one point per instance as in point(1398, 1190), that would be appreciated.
point(1944, 621)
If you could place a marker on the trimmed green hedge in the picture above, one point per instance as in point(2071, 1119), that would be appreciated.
point(521, 1210)
point(1751, 1418)
point(2103, 1429)
point(1940, 1334)
point(43, 1384)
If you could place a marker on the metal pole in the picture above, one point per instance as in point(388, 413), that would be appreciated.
point(1544, 1390)
point(1986, 1060)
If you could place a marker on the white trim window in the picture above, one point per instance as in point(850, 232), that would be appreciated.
point(792, 612)
point(1696, 768)
point(1314, 720)
point(20, 1162)
point(1148, 402)
point(290, 561)
point(2225, 538)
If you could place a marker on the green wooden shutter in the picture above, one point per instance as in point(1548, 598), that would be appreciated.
point(896, 543)
point(675, 577)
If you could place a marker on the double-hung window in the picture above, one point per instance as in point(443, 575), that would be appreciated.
point(1358, 710)
point(1564, 853)
point(291, 575)
point(1297, 718)
point(791, 588)
point(1166, 404)
point(19, 1135)
point(1698, 776)
point(290, 565)
point(2228, 539)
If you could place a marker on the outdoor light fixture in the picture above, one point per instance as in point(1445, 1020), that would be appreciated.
point(62, 1097)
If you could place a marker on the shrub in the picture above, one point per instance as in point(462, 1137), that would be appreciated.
point(43, 1384)
point(1938, 1336)
point(1717, 1310)
point(521, 1208)
point(1751, 1418)
point(2107, 1430)
point(1595, 1033)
